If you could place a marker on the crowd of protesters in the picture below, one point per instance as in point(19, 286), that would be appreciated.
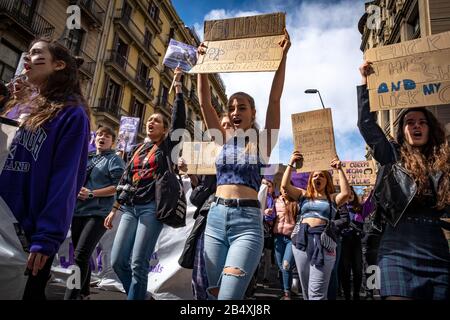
point(329, 234)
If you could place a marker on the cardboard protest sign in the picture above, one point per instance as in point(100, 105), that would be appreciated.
point(410, 74)
point(200, 157)
point(180, 54)
point(243, 44)
point(314, 138)
point(358, 173)
point(127, 133)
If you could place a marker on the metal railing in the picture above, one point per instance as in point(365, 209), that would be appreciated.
point(122, 63)
point(88, 65)
point(25, 16)
point(109, 106)
point(92, 7)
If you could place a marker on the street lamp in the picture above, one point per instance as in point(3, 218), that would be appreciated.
point(315, 91)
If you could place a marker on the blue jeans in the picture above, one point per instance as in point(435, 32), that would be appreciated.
point(333, 286)
point(233, 239)
point(285, 259)
point(135, 241)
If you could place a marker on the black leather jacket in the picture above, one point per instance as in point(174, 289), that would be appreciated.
point(395, 188)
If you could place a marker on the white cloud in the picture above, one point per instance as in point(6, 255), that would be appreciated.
point(324, 55)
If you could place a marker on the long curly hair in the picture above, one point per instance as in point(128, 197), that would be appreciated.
point(432, 158)
point(62, 88)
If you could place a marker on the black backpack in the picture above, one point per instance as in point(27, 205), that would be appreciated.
point(170, 199)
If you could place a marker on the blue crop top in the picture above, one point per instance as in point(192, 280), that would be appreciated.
point(319, 208)
point(235, 166)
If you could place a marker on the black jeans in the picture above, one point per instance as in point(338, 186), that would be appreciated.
point(86, 233)
point(35, 287)
point(351, 262)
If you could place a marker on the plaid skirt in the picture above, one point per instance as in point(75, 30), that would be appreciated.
point(414, 260)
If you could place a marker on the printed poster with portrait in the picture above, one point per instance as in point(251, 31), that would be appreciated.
point(127, 133)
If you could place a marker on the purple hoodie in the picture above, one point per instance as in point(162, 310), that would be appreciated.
point(43, 174)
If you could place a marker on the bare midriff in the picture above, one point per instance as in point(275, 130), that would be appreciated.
point(314, 222)
point(236, 191)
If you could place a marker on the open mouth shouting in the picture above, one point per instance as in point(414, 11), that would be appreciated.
point(237, 122)
point(417, 134)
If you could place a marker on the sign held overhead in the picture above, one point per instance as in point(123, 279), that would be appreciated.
point(244, 44)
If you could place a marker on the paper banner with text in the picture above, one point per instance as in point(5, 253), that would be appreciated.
point(410, 74)
point(180, 54)
point(314, 138)
point(358, 173)
point(244, 44)
point(200, 157)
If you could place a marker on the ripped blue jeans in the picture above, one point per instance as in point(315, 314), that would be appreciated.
point(234, 240)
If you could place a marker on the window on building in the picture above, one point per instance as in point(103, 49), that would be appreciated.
point(164, 95)
point(153, 11)
point(74, 40)
point(171, 34)
point(414, 24)
point(121, 53)
point(126, 11)
point(138, 110)
point(113, 96)
point(142, 73)
point(148, 37)
point(24, 9)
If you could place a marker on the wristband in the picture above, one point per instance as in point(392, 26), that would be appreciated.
point(290, 165)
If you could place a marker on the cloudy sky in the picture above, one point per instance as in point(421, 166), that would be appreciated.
point(324, 55)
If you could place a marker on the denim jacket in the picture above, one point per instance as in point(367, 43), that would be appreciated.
point(394, 188)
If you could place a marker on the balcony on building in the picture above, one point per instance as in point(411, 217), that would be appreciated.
point(165, 107)
point(24, 20)
point(167, 73)
point(136, 36)
point(91, 10)
point(88, 66)
point(115, 61)
point(108, 106)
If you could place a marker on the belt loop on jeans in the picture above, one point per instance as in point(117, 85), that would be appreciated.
point(238, 204)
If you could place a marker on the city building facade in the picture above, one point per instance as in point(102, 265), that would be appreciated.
point(122, 42)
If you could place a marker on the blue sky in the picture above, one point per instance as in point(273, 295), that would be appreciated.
point(325, 55)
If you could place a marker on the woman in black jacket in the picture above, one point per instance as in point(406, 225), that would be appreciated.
point(412, 193)
point(139, 228)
